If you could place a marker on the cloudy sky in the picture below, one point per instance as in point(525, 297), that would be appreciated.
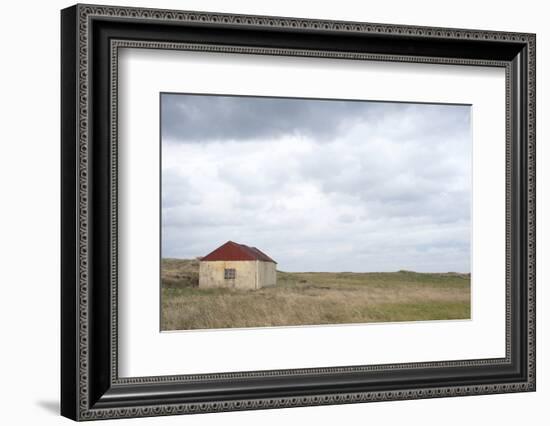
point(319, 185)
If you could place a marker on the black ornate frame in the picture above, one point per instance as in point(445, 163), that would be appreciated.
point(91, 37)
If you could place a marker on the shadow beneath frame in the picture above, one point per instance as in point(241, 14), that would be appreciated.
point(50, 406)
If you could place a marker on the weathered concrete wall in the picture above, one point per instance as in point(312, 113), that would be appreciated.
point(267, 274)
point(248, 274)
point(211, 274)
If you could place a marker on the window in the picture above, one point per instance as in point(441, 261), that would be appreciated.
point(229, 274)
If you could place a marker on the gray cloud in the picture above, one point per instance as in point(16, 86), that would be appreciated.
point(319, 185)
point(245, 118)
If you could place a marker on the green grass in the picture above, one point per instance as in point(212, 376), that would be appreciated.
point(310, 298)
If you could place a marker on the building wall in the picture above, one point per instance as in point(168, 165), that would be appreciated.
point(248, 274)
point(267, 274)
point(211, 274)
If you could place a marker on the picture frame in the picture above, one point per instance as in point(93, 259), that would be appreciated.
point(91, 37)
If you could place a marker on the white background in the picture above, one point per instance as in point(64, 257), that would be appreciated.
point(146, 352)
point(29, 229)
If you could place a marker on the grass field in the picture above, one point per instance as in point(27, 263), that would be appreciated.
point(308, 298)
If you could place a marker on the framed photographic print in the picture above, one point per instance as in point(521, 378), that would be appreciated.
point(263, 212)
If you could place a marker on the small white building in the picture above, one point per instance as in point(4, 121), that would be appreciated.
point(234, 265)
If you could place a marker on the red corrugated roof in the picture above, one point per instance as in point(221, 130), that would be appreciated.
point(235, 251)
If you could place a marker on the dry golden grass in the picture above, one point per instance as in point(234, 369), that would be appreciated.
point(311, 298)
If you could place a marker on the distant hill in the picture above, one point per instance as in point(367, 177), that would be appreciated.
point(184, 273)
point(179, 273)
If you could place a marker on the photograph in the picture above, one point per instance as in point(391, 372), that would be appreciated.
point(279, 211)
